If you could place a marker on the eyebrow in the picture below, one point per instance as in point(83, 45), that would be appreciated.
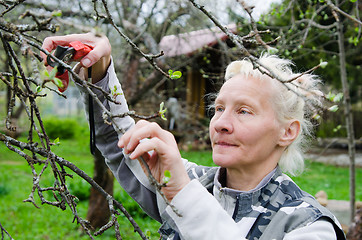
point(240, 100)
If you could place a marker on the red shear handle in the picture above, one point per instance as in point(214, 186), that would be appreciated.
point(81, 50)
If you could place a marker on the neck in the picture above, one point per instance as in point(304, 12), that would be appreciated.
point(246, 179)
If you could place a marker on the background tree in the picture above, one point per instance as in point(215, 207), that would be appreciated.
point(135, 29)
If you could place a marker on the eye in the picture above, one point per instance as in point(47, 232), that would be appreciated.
point(244, 111)
point(219, 109)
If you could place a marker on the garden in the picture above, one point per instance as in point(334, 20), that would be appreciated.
point(24, 221)
point(170, 57)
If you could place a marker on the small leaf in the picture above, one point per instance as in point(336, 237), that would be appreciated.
point(272, 50)
point(176, 75)
point(163, 117)
point(148, 234)
point(167, 173)
point(46, 73)
point(316, 116)
point(161, 106)
point(330, 96)
point(338, 97)
point(114, 92)
point(57, 13)
point(56, 141)
point(38, 89)
point(334, 108)
point(162, 111)
point(58, 82)
point(167, 176)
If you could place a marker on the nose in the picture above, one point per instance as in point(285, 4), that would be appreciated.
point(222, 123)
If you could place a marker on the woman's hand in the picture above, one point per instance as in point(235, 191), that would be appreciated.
point(159, 149)
point(99, 58)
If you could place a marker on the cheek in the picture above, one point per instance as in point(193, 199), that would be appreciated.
point(256, 132)
point(211, 128)
point(247, 136)
point(211, 134)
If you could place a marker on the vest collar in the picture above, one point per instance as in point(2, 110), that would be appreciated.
point(247, 201)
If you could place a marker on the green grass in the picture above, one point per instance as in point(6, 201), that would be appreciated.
point(24, 221)
point(333, 180)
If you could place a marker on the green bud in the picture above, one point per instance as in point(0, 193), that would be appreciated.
point(323, 64)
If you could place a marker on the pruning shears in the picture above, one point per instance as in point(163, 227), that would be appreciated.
point(73, 52)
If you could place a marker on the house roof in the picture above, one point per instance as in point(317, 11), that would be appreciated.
point(188, 43)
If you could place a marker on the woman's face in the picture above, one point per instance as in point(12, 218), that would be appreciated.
point(244, 131)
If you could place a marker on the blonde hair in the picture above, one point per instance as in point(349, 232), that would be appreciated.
point(294, 99)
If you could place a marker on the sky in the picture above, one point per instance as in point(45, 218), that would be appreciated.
point(261, 6)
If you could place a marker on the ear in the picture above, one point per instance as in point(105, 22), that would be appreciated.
point(289, 133)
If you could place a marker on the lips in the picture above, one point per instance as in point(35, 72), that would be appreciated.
point(225, 144)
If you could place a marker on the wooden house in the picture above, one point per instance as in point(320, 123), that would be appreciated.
point(202, 56)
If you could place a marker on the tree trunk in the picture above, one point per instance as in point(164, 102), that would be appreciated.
point(14, 131)
point(348, 117)
point(98, 210)
point(355, 230)
point(130, 81)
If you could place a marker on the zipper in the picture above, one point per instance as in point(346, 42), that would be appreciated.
point(236, 207)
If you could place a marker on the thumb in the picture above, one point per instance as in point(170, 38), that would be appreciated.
point(86, 62)
point(101, 49)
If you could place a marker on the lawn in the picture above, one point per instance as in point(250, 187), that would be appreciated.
point(24, 221)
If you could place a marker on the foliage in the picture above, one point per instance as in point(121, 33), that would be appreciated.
point(307, 32)
point(329, 129)
point(62, 128)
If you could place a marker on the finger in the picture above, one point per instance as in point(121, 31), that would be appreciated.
point(101, 48)
point(146, 147)
point(150, 130)
point(124, 140)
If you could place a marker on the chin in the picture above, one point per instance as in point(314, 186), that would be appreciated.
point(223, 160)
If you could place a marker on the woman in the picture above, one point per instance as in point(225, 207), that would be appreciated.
point(256, 132)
